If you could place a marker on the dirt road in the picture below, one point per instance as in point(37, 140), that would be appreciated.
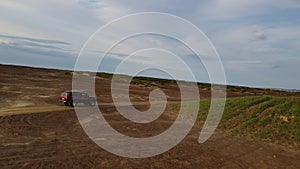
point(30, 110)
point(56, 140)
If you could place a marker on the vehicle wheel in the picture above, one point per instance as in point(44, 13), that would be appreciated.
point(66, 103)
point(93, 103)
point(73, 104)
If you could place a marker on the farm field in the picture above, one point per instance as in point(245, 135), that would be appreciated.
point(260, 128)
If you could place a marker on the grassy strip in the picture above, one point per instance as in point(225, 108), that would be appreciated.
point(275, 119)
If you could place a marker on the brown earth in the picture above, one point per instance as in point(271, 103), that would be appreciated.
point(37, 132)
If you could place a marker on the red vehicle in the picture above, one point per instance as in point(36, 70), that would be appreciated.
point(73, 98)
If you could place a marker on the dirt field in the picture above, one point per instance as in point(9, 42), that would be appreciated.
point(37, 132)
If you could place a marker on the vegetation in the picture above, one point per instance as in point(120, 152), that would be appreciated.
point(104, 75)
point(268, 114)
point(152, 81)
point(276, 119)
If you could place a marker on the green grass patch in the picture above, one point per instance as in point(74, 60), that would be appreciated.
point(276, 119)
point(270, 118)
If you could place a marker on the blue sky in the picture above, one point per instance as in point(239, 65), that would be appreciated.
point(258, 41)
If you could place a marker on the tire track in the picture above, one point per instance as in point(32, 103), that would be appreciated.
point(56, 140)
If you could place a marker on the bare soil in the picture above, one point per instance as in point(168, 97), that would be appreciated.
point(37, 132)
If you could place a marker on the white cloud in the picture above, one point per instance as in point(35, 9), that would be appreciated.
point(242, 65)
point(62, 20)
point(105, 10)
point(229, 9)
point(248, 39)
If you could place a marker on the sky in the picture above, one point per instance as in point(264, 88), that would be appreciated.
point(258, 41)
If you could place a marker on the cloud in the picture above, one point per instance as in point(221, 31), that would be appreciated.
point(105, 10)
point(43, 47)
point(233, 9)
point(275, 67)
point(260, 34)
point(36, 58)
point(61, 20)
point(49, 41)
point(253, 37)
point(255, 41)
point(242, 65)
